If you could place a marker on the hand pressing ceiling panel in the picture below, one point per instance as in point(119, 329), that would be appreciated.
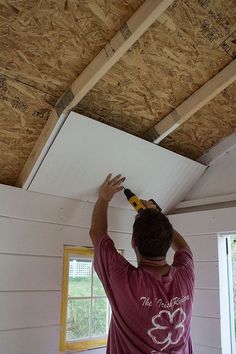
point(85, 151)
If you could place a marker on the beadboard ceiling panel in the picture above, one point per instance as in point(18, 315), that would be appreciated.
point(85, 151)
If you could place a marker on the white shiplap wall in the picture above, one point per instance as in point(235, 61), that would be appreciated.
point(201, 230)
point(33, 230)
point(219, 179)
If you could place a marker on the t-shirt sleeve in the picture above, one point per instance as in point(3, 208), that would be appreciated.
point(183, 260)
point(108, 262)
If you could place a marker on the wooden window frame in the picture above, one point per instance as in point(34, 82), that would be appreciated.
point(83, 344)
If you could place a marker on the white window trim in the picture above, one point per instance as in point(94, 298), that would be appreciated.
point(226, 294)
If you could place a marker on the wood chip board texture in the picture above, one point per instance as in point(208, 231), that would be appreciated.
point(85, 151)
point(181, 51)
point(47, 44)
point(24, 111)
point(205, 128)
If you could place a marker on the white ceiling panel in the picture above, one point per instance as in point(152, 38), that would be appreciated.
point(85, 151)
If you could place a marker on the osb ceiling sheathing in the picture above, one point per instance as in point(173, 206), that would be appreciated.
point(205, 128)
point(170, 61)
point(46, 44)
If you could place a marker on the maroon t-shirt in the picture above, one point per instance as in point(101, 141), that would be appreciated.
point(151, 314)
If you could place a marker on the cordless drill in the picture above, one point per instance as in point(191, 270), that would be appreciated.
point(136, 202)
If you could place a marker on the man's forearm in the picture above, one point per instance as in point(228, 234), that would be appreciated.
point(99, 220)
point(178, 241)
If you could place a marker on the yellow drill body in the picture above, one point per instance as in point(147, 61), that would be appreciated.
point(134, 200)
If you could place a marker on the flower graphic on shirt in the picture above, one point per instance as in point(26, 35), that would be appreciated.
point(168, 327)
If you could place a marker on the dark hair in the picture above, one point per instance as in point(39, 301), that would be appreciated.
point(152, 233)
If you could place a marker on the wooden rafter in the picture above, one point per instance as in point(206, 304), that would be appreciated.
point(192, 104)
point(218, 150)
point(214, 202)
point(128, 34)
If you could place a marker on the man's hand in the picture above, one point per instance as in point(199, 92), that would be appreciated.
point(110, 187)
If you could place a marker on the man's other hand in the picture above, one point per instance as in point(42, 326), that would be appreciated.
point(110, 187)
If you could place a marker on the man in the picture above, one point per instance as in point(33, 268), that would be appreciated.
point(151, 304)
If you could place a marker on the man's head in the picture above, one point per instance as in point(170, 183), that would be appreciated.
point(152, 233)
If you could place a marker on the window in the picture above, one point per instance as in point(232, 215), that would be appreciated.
point(227, 276)
point(232, 279)
point(85, 307)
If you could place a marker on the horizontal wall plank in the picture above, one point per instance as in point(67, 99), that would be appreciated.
point(206, 331)
point(23, 204)
point(30, 273)
point(28, 205)
point(44, 340)
point(48, 239)
point(29, 309)
point(206, 221)
point(200, 349)
point(204, 247)
point(208, 252)
point(206, 275)
point(206, 303)
point(123, 241)
point(37, 238)
point(44, 273)
point(94, 351)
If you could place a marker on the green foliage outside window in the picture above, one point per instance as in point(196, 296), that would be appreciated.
point(88, 309)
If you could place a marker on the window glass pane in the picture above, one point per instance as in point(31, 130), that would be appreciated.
point(99, 317)
point(98, 289)
point(77, 319)
point(79, 277)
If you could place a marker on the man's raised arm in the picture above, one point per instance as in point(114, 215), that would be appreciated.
point(99, 217)
point(178, 242)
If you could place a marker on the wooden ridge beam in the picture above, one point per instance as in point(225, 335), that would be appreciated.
point(128, 34)
point(192, 104)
